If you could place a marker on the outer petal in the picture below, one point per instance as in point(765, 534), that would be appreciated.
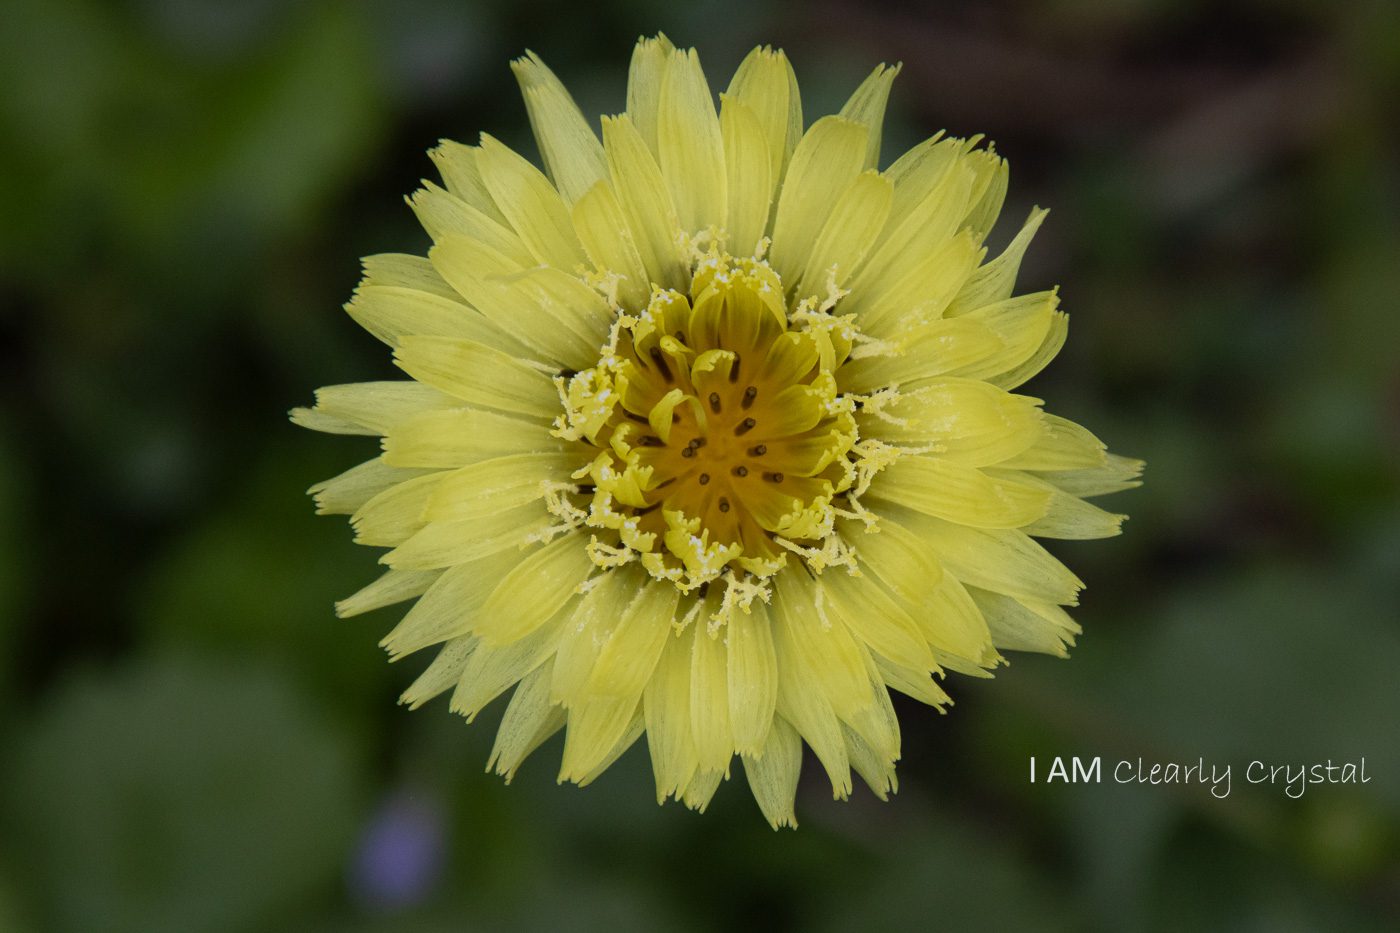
point(570, 149)
point(689, 145)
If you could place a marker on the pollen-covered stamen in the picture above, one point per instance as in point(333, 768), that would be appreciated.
point(726, 447)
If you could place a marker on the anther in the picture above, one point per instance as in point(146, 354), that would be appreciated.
point(750, 394)
point(734, 369)
point(744, 427)
point(773, 477)
point(688, 452)
point(650, 440)
point(723, 504)
point(696, 443)
point(741, 471)
point(704, 479)
point(758, 450)
point(660, 361)
point(665, 482)
point(714, 402)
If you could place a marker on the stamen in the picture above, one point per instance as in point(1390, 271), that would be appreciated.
point(744, 427)
point(649, 440)
point(758, 451)
point(688, 452)
point(704, 479)
point(714, 402)
point(734, 369)
point(723, 504)
point(773, 477)
point(741, 471)
point(750, 394)
point(660, 361)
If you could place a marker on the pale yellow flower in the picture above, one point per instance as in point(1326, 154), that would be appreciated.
point(709, 433)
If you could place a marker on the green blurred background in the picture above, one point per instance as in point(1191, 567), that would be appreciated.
point(189, 740)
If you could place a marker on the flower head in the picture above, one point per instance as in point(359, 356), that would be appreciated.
point(710, 433)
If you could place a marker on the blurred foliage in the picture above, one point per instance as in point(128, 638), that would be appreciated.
point(193, 741)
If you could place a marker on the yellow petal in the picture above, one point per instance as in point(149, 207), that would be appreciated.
point(753, 678)
point(1022, 323)
point(635, 727)
point(1117, 474)
point(701, 789)
point(849, 233)
point(877, 728)
point(393, 586)
point(346, 493)
point(960, 494)
point(961, 420)
point(709, 700)
point(478, 374)
point(1049, 348)
point(916, 684)
point(391, 516)
point(988, 192)
point(647, 203)
point(918, 173)
point(391, 314)
point(867, 107)
point(566, 321)
point(689, 146)
point(819, 642)
point(1026, 626)
point(531, 204)
point(400, 270)
point(749, 175)
point(826, 161)
point(589, 629)
point(491, 670)
point(477, 491)
point(596, 725)
point(460, 436)
point(995, 281)
point(874, 768)
point(1070, 517)
point(442, 544)
point(536, 589)
point(898, 556)
point(444, 672)
point(927, 352)
point(457, 164)
point(909, 242)
point(650, 60)
point(803, 704)
point(529, 720)
point(876, 619)
point(626, 661)
point(915, 293)
point(603, 230)
point(572, 155)
point(955, 628)
point(372, 408)
point(666, 706)
point(447, 609)
point(773, 772)
point(1004, 561)
point(765, 83)
point(443, 214)
point(1061, 445)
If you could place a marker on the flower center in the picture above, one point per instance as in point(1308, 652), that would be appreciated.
point(722, 440)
